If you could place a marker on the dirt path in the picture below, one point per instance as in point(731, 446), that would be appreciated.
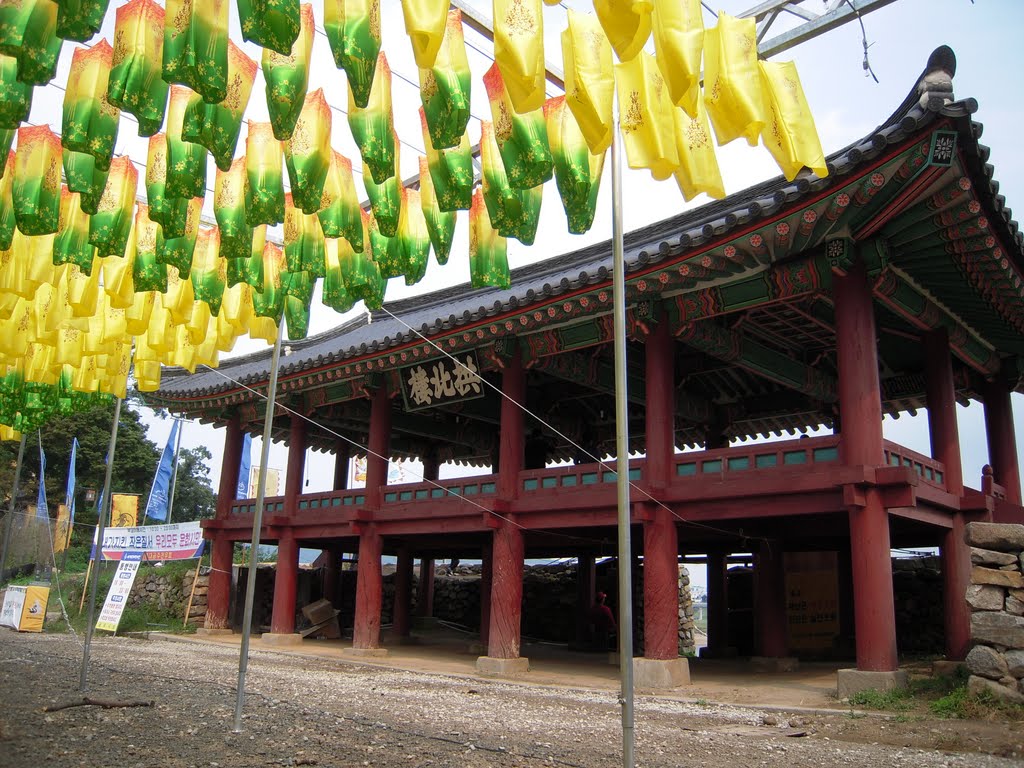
point(303, 711)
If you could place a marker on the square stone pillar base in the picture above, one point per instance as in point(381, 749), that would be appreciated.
point(661, 674)
point(211, 632)
point(851, 681)
point(364, 653)
point(489, 665)
point(775, 663)
point(280, 639)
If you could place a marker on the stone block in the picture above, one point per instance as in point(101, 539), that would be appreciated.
point(211, 632)
point(851, 681)
point(489, 665)
point(1010, 579)
point(364, 653)
point(280, 639)
point(991, 557)
point(985, 597)
point(660, 674)
point(1000, 629)
point(775, 663)
point(1014, 606)
point(986, 662)
point(1017, 594)
point(1003, 537)
point(1015, 663)
point(979, 686)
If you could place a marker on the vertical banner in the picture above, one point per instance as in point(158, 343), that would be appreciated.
point(14, 605)
point(244, 468)
point(156, 507)
point(42, 511)
point(120, 588)
point(62, 530)
point(69, 495)
point(33, 612)
point(124, 510)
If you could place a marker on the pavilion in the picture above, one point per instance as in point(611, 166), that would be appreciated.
point(892, 285)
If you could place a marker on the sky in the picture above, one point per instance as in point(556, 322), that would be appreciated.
point(846, 102)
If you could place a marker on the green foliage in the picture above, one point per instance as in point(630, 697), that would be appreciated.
point(194, 498)
point(893, 700)
point(960, 704)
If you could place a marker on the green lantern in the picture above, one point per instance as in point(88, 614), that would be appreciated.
point(15, 96)
point(272, 24)
point(169, 212)
point(334, 294)
point(264, 191)
point(385, 199)
point(7, 220)
point(513, 213)
point(36, 191)
point(413, 237)
point(148, 273)
point(360, 272)
point(269, 302)
point(177, 251)
point(89, 121)
point(307, 153)
point(353, 31)
point(340, 215)
point(229, 208)
point(577, 171)
point(440, 224)
point(386, 252)
point(136, 84)
point(110, 226)
point(208, 270)
point(303, 241)
point(249, 269)
point(186, 162)
point(196, 47)
point(451, 171)
point(445, 87)
point(287, 78)
point(80, 20)
point(373, 126)
point(522, 139)
point(72, 245)
point(40, 46)
point(296, 315)
point(488, 249)
point(84, 177)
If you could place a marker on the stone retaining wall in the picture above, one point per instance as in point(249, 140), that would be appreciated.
point(996, 597)
point(170, 594)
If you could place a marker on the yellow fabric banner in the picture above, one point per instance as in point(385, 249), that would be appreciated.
point(698, 165)
point(627, 24)
point(33, 614)
point(62, 528)
point(789, 133)
point(678, 44)
point(732, 80)
point(589, 87)
point(124, 510)
point(519, 51)
point(645, 115)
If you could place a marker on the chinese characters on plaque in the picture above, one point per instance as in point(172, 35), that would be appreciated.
point(441, 381)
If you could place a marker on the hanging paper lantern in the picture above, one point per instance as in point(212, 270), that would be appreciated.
point(236, 309)
point(177, 251)
point(732, 80)
point(589, 78)
point(7, 219)
point(360, 272)
point(80, 20)
point(577, 172)
point(451, 171)
point(303, 241)
point(269, 302)
point(36, 191)
point(425, 25)
point(14, 21)
point(413, 237)
point(272, 24)
point(147, 375)
point(186, 162)
point(698, 165)
point(263, 328)
point(678, 44)
point(148, 274)
point(136, 84)
point(386, 252)
point(645, 116)
point(196, 47)
point(264, 192)
point(89, 122)
point(110, 225)
point(373, 126)
point(522, 138)
point(488, 258)
point(789, 132)
point(334, 294)
point(353, 31)
point(440, 224)
point(627, 23)
point(136, 317)
point(308, 152)
point(40, 46)
point(169, 212)
point(385, 200)
point(296, 315)
point(514, 213)
point(180, 298)
point(208, 269)
point(445, 87)
point(519, 51)
point(248, 270)
point(118, 279)
point(229, 208)
point(217, 126)
point(287, 78)
point(340, 215)
point(72, 245)
point(83, 290)
point(15, 96)
point(85, 178)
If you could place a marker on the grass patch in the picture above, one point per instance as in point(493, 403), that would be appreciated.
point(893, 700)
point(960, 704)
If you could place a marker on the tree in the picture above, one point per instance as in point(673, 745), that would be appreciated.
point(194, 498)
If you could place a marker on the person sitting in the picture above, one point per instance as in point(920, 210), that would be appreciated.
point(603, 622)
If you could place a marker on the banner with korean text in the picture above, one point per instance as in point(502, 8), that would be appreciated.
point(120, 589)
point(24, 607)
point(175, 541)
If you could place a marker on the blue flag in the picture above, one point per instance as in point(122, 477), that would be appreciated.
point(42, 511)
point(157, 506)
point(244, 468)
point(69, 496)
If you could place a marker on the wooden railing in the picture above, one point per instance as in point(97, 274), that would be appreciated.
point(929, 470)
point(761, 456)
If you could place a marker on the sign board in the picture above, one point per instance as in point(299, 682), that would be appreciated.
point(175, 541)
point(273, 482)
point(812, 601)
point(24, 608)
point(124, 510)
point(120, 589)
point(441, 381)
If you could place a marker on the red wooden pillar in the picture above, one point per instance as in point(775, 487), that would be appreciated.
point(282, 621)
point(956, 578)
point(218, 598)
point(772, 634)
point(1002, 440)
point(941, 396)
point(860, 405)
point(660, 413)
point(401, 615)
point(228, 486)
point(661, 586)
point(512, 440)
point(586, 578)
point(379, 450)
point(342, 454)
point(431, 466)
point(506, 592)
point(369, 589)
point(296, 464)
point(486, 581)
point(718, 605)
point(425, 589)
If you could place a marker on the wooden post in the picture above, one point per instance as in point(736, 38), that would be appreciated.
point(506, 592)
point(770, 605)
point(943, 431)
point(718, 605)
point(192, 594)
point(425, 593)
point(218, 599)
point(400, 619)
point(379, 450)
point(486, 582)
point(660, 413)
point(661, 586)
point(296, 464)
point(230, 463)
point(511, 440)
point(342, 455)
point(369, 589)
point(282, 621)
point(1002, 439)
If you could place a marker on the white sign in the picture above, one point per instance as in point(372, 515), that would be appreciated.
point(14, 604)
point(176, 541)
point(120, 588)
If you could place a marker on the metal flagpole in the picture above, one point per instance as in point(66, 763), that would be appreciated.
point(257, 523)
point(100, 524)
point(622, 450)
point(174, 474)
point(13, 506)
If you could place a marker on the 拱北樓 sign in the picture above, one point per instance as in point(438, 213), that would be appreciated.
point(441, 381)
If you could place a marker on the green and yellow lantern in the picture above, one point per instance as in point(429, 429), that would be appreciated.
point(89, 121)
point(440, 224)
point(445, 87)
point(340, 215)
point(209, 270)
point(353, 31)
point(307, 153)
point(15, 96)
point(385, 199)
point(148, 273)
point(195, 50)
point(287, 77)
point(522, 138)
point(272, 24)
point(177, 251)
point(186, 161)
point(110, 226)
point(373, 126)
point(451, 171)
point(136, 83)
point(36, 190)
point(488, 250)
point(72, 245)
point(513, 212)
point(264, 189)
point(80, 20)
point(577, 171)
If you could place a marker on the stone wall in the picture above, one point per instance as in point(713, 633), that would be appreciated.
point(996, 597)
point(917, 597)
point(170, 594)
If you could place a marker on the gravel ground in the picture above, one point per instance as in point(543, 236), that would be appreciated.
point(302, 711)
